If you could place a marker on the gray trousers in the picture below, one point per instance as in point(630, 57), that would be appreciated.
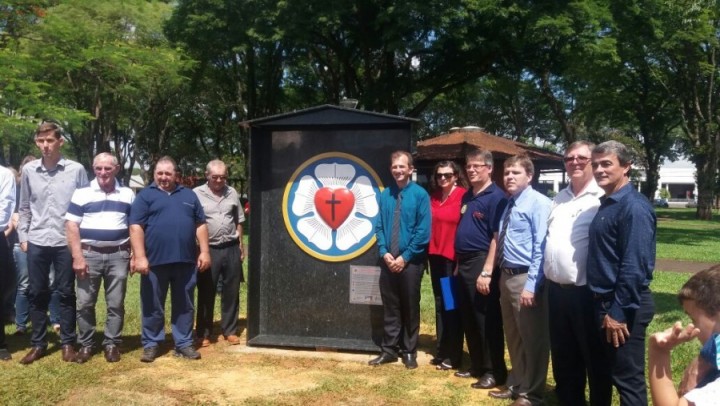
point(528, 338)
point(112, 271)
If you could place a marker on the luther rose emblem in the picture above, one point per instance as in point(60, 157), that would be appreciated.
point(330, 205)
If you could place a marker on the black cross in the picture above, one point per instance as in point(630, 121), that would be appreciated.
point(332, 202)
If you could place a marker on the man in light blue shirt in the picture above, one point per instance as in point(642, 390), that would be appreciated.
point(520, 246)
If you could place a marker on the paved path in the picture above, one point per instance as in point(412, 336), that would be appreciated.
point(671, 265)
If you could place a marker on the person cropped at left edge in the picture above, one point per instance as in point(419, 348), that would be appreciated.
point(165, 220)
point(403, 233)
point(47, 186)
point(7, 206)
point(99, 240)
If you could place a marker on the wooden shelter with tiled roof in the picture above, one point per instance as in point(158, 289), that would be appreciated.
point(454, 145)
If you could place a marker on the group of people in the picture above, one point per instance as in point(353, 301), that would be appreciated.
point(97, 233)
point(566, 278)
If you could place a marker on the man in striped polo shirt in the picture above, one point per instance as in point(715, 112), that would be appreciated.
point(97, 234)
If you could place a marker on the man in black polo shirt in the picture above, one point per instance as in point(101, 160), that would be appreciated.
point(479, 292)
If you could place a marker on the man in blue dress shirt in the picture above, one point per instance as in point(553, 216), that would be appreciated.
point(619, 270)
point(519, 254)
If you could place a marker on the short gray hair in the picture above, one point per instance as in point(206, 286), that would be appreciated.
point(623, 153)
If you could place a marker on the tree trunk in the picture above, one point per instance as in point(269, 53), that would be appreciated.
point(706, 171)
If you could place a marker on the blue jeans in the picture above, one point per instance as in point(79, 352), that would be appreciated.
point(112, 271)
point(22, 303)
point(181, 279)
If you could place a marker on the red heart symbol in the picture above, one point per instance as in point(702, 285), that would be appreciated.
point(334, 205)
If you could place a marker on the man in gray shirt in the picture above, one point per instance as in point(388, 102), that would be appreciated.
point(47, 185)
point(224, 215)
point(7, 206)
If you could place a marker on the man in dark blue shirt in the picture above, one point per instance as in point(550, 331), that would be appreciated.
point(620, 265)
point(166, 219)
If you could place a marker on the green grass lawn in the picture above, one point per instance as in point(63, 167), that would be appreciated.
point(172, 381)
point(681, 237)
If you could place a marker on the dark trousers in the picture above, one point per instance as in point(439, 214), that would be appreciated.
point(626, 364)
point(448, 327)
point(226, 264)
point(574, 345)
point(39, 261)
point(4, 280)
point(180, 277)
point(400, 294)
point(481, 318)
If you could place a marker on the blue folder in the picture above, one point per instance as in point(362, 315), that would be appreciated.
point(447, 285)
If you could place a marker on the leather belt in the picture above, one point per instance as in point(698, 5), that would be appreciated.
point(515, 271)
point(566, 285)
point(603, 296)
point(226, 244)
point(106, 250)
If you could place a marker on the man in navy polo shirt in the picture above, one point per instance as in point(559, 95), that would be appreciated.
point(165, 220)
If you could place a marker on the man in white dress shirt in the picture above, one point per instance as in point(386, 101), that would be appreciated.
point(570, 300)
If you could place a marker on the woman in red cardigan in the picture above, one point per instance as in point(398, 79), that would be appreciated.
point(447, 188)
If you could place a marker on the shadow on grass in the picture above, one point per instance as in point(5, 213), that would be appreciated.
point(686, 236)
point(682, 214)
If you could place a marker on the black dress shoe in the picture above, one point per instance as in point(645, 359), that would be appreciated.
point(112, 354)
point(465, 374)
point(5, 355)
point(502, 394)
point(444, 366)
point(383, 358)
point(436, 361)
point(410, 361)
point(486, 381)
point(35, 354)
point(83, 355)
point(149, 354)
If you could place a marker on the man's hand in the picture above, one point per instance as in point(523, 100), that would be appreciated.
point(527, 299)
point(80, 267)
point(690, 377)
point(243, 248)
point(399, 264)
point(483, 283)
point(23, 246)
point(141, 265)
point(203, 262)
point(615, 332)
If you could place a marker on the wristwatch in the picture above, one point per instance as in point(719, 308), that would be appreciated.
point(484, 274)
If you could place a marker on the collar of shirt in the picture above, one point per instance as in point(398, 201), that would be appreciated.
point(619, 195)
point(178, 187)
point(205, 189)
point(41, 167)
point(96, 186)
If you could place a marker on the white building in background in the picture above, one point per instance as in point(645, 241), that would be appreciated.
point(678, 177)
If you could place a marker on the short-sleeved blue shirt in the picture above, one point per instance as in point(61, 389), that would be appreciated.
point(480, 216)
point(170, 221)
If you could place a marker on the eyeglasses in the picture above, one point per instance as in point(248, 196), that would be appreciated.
point(580, 159)
point(218, 177)
point(444, 175)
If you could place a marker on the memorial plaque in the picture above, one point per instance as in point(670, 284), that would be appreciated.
point(315, 180)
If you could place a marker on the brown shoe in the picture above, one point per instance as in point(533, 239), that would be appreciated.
point(82, 356)
point(35, 354)
point(68, 353)
point(112, 353)
point(232, 339)
point(202, 342)
point(521, 401)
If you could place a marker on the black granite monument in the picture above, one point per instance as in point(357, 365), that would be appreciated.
point(315, 179)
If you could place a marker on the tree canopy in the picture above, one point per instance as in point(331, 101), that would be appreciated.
point(146, 78)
